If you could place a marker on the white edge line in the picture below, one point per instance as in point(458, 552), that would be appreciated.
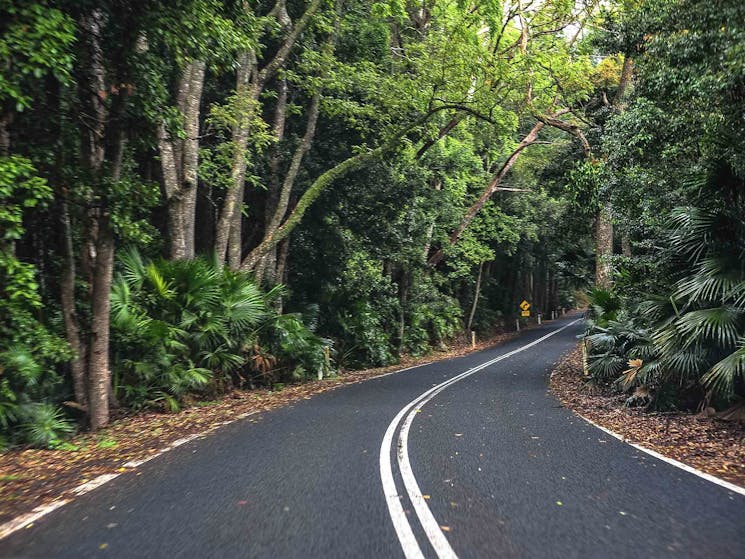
point(25, 520)
point(690, 469)
point(426, 518)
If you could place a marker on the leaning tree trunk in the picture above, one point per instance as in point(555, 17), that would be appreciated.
point(492, 187)
point(248, 93)
point(284, 194)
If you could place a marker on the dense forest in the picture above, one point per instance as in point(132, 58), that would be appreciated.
point(199, 195)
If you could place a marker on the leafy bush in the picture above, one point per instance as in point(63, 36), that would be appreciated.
point(692, 338)
point(26, 415)
point(29, 352)
point(181, 327)
point(300, 352)
point(177, 324)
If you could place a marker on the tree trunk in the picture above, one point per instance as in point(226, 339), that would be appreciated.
point(289, 181)
point(476, 293)
point(283, 255)
point(171, 181)
point(250, 84)
point(627, 74)
point(99, 375)
point(235, 240)
point(626, 245)
point(190, 163)
point(278, 131)
point(248, 92)
point(180, 161)
point(603, 247)
point(67, 298)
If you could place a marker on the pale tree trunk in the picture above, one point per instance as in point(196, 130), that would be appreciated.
point(235, 238)
point(626, 245)
point(603, 247)
point(171, 181)
point(191, 155)
point(179, 163)
point(266, 268)
point(476, 294)
point(248, 94)
point(250, 84)
point(289, 181)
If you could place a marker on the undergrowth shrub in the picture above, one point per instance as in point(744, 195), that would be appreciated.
point(191, 326)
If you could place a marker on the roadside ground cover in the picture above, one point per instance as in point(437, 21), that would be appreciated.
point(709, 444)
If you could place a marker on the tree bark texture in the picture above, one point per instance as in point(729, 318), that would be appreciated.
point(603, 247)
point(180, 162)
point(99, 376)
point(250, 84)
point(248, 94)
point(289, 181)
point(78, 363)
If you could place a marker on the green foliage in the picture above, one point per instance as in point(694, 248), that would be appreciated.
point(176, 324)
point(26, 415)
point(35, 41)
point(20, 189)
point(182, 327)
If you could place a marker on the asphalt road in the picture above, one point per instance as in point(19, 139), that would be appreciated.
point(501, 468)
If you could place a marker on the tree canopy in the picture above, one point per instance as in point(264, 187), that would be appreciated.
point(204, 194)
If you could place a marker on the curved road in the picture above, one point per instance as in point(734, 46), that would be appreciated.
point(489, 465)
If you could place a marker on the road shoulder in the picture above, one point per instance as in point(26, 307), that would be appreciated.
point(710, 445)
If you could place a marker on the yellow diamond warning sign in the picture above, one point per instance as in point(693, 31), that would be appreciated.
point(525, 306)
